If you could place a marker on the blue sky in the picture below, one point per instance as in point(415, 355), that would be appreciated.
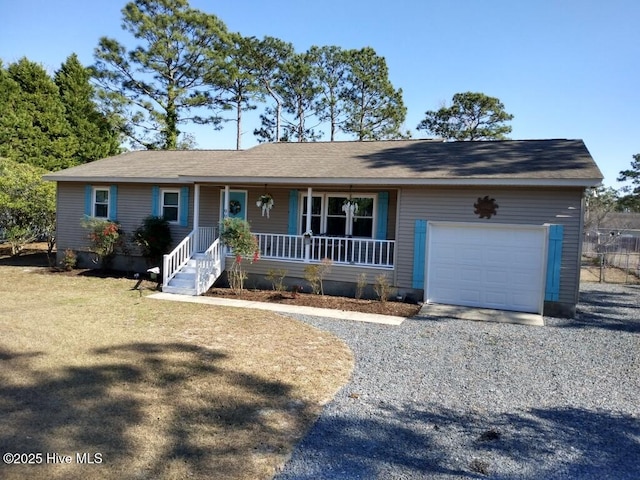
point(563, 68)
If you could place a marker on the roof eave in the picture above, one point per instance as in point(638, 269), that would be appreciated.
point(109, 179)
point(415, 181)
point(534, 182)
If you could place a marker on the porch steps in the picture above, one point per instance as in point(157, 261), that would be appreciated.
point(184, 282)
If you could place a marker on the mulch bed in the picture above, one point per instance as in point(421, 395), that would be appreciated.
point(321, 301)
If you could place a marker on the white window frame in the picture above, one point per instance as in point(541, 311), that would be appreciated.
point(325, 207)
point(95, 203)
point(162, 205)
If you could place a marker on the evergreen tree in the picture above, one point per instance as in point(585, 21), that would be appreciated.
point(33, 127)
point(96, 136)
point(631, 200)
point(471, 116)
point(373, 107)
point(298, 91)
point(270, 56)
point(330, 73)
point(166, 80)
point(239, 80)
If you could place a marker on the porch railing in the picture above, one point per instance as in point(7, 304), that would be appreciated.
point(342, 250)
point(197, 241)
point(208, 267)
point(205, 238)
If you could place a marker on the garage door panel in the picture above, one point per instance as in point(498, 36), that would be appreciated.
point(498, 267)
point(470, 296)
point(496, 298)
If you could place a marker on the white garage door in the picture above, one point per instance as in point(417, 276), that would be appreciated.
point(497, 266)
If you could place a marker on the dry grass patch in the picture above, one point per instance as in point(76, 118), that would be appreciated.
point(159, 389)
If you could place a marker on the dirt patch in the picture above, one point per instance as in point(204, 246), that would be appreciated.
point(399, 309)
point(609, 274)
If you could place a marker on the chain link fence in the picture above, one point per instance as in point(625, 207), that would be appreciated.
point(611, 257)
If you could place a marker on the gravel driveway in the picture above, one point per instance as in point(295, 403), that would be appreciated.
point(445, 399)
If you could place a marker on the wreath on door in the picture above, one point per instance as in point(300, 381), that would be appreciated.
point(235, 207)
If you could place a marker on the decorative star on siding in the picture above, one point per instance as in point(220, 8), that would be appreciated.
point(485, 207)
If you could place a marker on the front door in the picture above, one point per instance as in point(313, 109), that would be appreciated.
point(237, 204)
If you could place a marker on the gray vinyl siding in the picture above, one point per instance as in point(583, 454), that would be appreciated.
point(134, 204)
point(210, 198)
point(522, 205)
point(69, 214)
point(337, 273)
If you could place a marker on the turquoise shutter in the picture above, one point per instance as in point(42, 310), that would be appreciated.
point(88, 198)
point(184, 206)
point(293, 212)
point(155, 201)
point(113, 203)
point(419, 251)
point(554, 261)
point(383, 215)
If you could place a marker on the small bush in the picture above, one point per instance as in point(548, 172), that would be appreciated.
point(314, 274)
point(154, 237)
point(276, 277)
point(383, 288)
point(18, 237)
point(69, 261)
point(236, 234)
point(361, 285)
point(104, 236)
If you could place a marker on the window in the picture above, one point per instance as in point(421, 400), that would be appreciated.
point(170, 205)
point(101, 202)
point(329, 218)
point(316, 215)
point(362, 225)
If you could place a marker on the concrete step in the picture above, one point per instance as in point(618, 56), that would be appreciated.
point(179, 290)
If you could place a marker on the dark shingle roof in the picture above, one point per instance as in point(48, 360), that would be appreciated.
point(565, 162)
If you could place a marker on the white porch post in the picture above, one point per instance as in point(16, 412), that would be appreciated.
point(196, 215)
point(227, 191)
point(225, 214)
point(196, 206)
point(307, 248)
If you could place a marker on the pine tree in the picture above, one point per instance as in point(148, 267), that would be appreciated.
point(373, 107)
point(96, 136)
point(35, 129)
point(471, 116)
point(239, 80)
point(165, 81)
point(330, 73)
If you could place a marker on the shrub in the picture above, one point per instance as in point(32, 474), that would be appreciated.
point(154, 237)
point(361, 285)
point(383, 288)
point(104, 237)
point(18, 237)
point(69, 261)
point(276, 277)
point(314, 274)
point(236, 234)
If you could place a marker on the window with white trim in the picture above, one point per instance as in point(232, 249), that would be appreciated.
point(330, 216)
point(100, 202)
point(170, 205)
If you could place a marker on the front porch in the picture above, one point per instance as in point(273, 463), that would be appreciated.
point(304, 226)
point(198, 261)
